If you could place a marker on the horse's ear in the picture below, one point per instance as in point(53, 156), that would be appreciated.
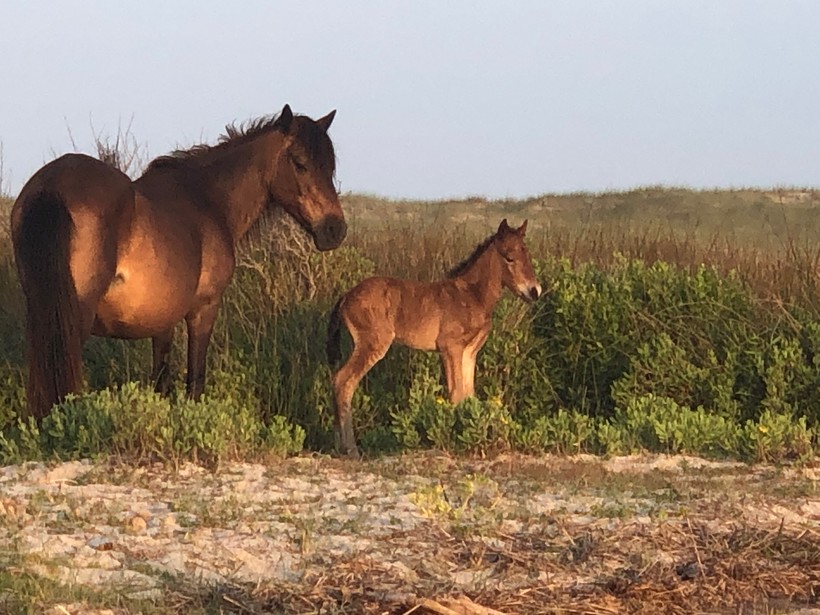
point(327, 120)
point(503, 227)
point(523, 228)
point(285, 119)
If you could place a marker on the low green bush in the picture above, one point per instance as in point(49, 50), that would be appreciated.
point(136, 423)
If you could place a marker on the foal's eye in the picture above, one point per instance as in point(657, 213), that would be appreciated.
point(509, 259)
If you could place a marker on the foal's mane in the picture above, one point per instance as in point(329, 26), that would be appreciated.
point(468, 262)
point(312, 137)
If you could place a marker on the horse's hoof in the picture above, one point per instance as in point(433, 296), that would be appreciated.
point(350, 453)
point(344, 452)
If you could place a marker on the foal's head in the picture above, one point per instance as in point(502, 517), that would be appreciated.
point(516, 273)
point(303, 183)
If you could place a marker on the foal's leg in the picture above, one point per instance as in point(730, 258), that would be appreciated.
point(469, 360)
point(161, 375)
point(448, 372)
point(200, 324)
point(452, 356)
point(366, 353)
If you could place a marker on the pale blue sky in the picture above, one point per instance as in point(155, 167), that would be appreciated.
point(435, 98)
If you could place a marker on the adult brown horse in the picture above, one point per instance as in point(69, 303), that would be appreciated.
point(100, 255)
point(453, 316)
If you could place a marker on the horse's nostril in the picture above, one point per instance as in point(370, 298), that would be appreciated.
point(331, 233)
point(339, 229)
point(534, 293)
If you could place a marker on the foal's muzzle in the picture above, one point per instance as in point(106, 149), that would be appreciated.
point(329, 233)
point(530, 292)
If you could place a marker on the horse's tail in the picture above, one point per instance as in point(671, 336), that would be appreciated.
point(334, 334)
point(53, 328)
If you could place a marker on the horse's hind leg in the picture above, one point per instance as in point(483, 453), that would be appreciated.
point(366, 353)
point(161, 375)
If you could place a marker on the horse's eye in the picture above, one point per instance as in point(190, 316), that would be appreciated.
point(509, 259)
point(298, 164)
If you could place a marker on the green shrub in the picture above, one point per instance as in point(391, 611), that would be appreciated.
point(564, 432)
point(136, 423)
point(663, 368)
point(638, 328)
point(472, 426)
point(778, 436)
point(282, 438)
point(12, 395)
point(482, 425)
point(513, 363)
point(426, 416)
point(660, 424)
point(20, 442)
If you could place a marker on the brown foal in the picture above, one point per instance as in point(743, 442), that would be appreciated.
point(452, 316)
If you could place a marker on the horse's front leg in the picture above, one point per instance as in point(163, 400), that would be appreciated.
point(200, 323)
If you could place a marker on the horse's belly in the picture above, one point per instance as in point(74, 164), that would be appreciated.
point(137, 306)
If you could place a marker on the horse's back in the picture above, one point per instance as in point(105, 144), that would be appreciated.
point(71, 173)
point(84, 184)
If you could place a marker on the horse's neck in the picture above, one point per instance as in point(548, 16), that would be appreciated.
point(239, 180)
point(483, 278)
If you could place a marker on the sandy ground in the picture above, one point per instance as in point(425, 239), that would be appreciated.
point(519, 534)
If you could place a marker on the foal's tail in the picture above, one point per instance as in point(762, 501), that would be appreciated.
point(334, 334)
point(53, 335)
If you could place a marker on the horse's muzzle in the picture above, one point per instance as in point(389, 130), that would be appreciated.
point(330, 233)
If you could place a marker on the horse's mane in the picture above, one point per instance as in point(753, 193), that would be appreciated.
point(234, 135)
point(312, 137)
point(468, 262)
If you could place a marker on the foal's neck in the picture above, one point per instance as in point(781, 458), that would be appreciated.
point(483, 278)
point(240, 178)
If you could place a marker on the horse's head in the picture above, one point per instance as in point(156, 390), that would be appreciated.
point(517, 272)
point(303, 183)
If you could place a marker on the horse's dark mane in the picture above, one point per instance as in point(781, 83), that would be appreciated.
point(312, 138)
point(468, 262)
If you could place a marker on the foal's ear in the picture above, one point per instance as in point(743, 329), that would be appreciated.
point(285, 119)
point(327, 120)
point(522, 229)
point(503, 227)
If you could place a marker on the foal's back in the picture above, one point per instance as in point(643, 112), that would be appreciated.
point(411, 313)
